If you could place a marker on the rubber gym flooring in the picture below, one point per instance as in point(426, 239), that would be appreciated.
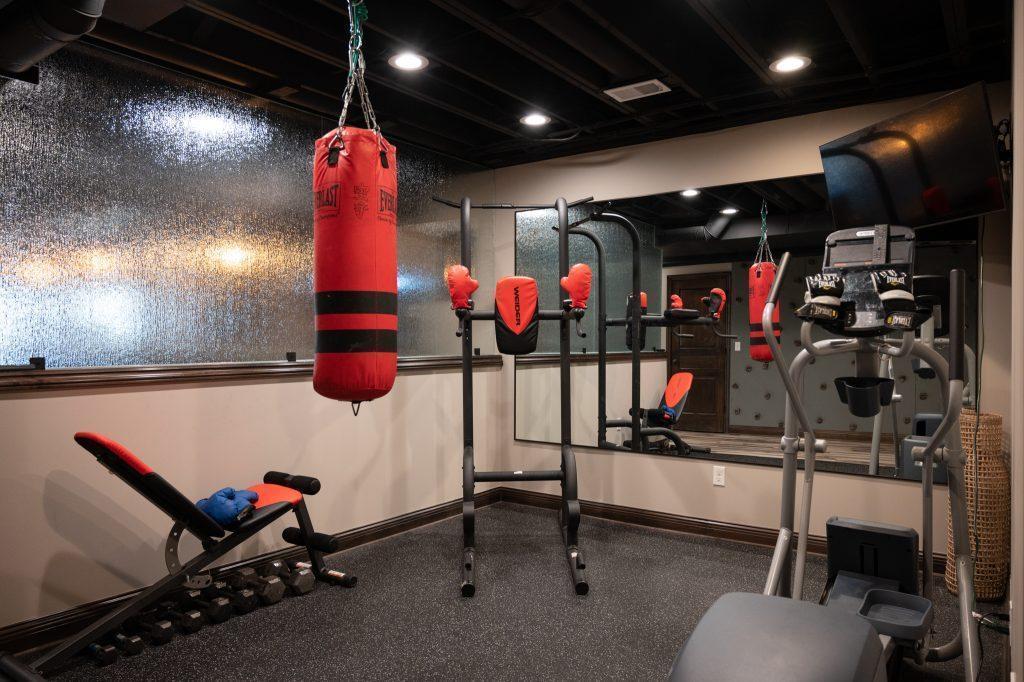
point(405, 620)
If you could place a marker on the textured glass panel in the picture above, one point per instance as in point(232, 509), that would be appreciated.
point(537, 257)
point(153, 219)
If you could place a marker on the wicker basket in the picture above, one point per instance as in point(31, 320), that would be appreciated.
point(992, 527)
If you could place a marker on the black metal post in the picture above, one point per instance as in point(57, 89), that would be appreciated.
point(468, 461)
point(602, 338)
point(635, 322)
point(570, 500)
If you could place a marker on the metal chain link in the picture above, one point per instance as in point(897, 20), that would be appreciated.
point(764, 249)
point(357, 69)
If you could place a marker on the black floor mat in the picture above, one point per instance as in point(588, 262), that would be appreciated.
point(406, 621)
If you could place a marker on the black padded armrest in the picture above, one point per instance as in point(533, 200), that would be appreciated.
point(681, 314)
point(307, 485)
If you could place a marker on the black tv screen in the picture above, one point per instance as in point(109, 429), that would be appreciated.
point(931, 165)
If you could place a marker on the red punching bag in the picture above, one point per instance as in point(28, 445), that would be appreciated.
point(759, 284)
point(355, 265)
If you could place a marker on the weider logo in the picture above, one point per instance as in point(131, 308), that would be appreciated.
point(515, 303)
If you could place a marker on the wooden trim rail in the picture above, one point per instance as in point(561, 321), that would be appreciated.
point(108, 377)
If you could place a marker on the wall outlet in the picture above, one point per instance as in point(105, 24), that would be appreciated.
point(736, 347)
point(718, 476)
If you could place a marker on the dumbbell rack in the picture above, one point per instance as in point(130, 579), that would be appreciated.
point(570, 506)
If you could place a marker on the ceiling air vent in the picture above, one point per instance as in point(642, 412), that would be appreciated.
point(637, 90)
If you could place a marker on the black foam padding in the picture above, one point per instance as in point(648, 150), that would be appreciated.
point(510, 343)
point(307, 485)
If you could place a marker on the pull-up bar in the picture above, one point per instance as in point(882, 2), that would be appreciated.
point(514, 207)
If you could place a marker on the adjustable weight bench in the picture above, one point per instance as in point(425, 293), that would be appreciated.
point(279, 494)
point(665, 416)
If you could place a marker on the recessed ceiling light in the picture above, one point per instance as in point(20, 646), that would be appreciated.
point(690, 193)
point(408, 61)
point(790, 63)
point(730, 211)
point(535, 119)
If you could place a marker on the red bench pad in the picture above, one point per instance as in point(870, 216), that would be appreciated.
point(121, 462)
point(272, 494)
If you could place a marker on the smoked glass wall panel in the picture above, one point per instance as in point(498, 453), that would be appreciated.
point(149, 218)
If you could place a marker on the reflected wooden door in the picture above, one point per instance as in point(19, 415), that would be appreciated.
point(705, 355)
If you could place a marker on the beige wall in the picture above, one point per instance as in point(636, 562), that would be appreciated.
point(766, 150)
point(72, 533)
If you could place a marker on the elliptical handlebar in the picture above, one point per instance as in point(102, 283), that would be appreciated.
point(956, 324)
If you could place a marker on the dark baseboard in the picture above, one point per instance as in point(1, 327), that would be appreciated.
point(40, 632)
point(737, 532)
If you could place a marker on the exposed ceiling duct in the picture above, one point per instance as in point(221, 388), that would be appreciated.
point(31, 30)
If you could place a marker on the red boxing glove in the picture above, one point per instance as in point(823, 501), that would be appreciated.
point(577, 285)
point(460, 285)
point(643, 301)
point(715, 302)
point(675, 301)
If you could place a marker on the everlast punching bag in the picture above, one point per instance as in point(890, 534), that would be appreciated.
point(355, 265)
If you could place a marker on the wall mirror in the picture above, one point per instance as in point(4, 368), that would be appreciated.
point(695, 240)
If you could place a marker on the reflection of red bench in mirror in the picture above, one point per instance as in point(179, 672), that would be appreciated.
point(673, 400)
point(279, 493)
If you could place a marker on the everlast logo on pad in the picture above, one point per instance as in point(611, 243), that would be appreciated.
point(515, 299)
point(387, 205)
point(325, 201)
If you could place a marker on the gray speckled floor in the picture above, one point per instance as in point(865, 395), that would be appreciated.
point(405, 620)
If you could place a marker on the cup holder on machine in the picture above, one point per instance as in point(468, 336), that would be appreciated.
point(865, 396)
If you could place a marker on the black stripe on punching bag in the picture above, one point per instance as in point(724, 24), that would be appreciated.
point(756, 327)
point(356, 302)
point(357, 341)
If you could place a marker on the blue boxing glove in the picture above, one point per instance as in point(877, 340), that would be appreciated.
point(228, 506)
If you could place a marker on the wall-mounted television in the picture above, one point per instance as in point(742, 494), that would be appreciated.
point(931, 165)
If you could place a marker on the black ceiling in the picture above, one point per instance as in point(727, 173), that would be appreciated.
point(782, 196)
point(492, 61)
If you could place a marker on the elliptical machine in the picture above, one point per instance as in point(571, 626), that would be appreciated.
point(872, 612)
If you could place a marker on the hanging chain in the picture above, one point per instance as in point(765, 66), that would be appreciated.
point(357, 14)
point(764, 249)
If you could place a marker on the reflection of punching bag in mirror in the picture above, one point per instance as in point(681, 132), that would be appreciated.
point(759, 282)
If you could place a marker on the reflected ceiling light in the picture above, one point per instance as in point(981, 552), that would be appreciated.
point(408, 61)
point(111, 309)
point(690, 193)
point(231, 255)
point(729, 211)
point(535, 119)
point(790, 63)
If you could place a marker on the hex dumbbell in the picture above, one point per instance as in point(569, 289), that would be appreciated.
point(298, 580)
point(242, 600)
point(187, 621)
point(157, 630)
point(216, 609)
point(270, 590)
